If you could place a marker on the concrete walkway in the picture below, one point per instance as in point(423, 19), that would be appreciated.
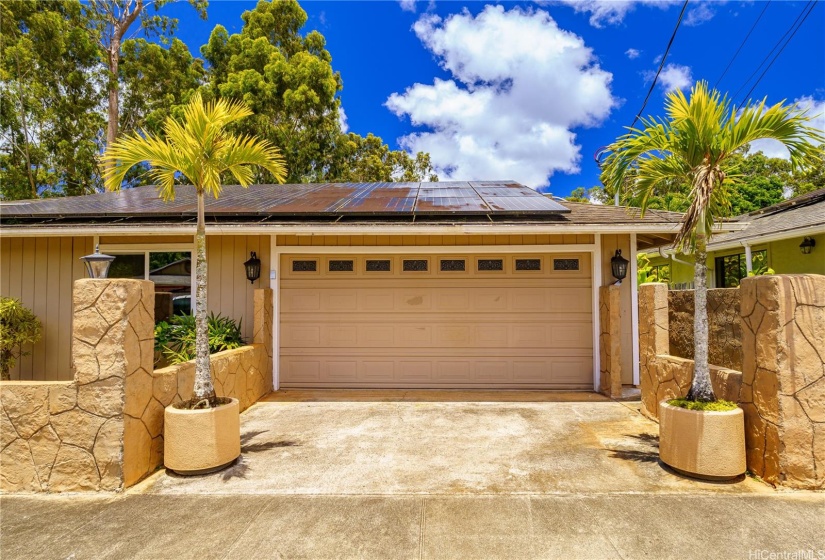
point(421, 474)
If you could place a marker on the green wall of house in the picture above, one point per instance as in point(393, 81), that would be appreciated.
point(784, 257)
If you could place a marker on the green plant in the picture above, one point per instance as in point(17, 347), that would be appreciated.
point(708, 406)
point(199, 149)
point(647, 272)
point(18, 326)
point(176, 339)
point(696, 144)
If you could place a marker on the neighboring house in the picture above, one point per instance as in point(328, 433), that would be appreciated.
point(788, 238)
point(481, 284)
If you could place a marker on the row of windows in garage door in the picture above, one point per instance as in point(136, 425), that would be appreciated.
point(445, 264)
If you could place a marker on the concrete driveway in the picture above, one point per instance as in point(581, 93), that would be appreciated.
point(427, 474)
point(444, 442)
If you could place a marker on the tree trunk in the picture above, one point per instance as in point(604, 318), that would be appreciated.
point(114, 98)
point(701, 389)
point(203, 375)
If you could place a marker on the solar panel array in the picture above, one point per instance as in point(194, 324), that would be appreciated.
point(311, 199)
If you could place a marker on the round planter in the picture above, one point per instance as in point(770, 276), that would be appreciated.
point(702, 444)
point(203, 440)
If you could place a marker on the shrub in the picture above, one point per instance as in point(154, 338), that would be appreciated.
point(712, 406)
point(175, 339)
point(18, 326)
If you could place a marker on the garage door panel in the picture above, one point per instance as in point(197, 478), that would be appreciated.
point(436, 329)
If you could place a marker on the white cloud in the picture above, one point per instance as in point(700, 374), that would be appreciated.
point(700, 14)
point(342, 120)
point(672, 77)
point(815, 109)
point(632, 53)
point(611, 12)
point(505, 113)
point(407, 5)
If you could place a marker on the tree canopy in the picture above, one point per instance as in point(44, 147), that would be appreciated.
point(56, 81)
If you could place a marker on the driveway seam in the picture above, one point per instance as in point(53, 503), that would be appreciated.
point(246, 529)
point(422, 523)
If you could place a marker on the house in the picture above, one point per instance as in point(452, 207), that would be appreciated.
point(787, 238)
point(483, 284)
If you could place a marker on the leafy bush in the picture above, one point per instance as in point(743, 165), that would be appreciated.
point(712, 406)
point(175, 339)
point(18, 326)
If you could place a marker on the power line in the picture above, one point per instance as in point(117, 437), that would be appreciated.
point(793, 25)
point(756, 83)
point(661, 63)
point(745, 40)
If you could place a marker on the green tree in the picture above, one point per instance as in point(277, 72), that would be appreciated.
point(48, 118)
point(18, 327)
point(695, 144)
point(358, 159)
point(810, 179)
point(287, 80)
point(111, 21)
point(199, 149)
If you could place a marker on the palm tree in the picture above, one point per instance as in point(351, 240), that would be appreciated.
point(693, 146)
point(198, 149)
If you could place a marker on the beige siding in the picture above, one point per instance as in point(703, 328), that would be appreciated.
point(434, 328)
point(609, 245)
point(229, 292)
point(39, 272)
point(428, 240)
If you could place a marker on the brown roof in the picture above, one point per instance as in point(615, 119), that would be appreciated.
point(787, 217)
point(351, 203)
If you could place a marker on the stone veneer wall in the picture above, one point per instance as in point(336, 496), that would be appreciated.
point(103, 431)
point(725, 326)
point(782, 384)
point(610, 344)
point(783, 381)
point(69, 436)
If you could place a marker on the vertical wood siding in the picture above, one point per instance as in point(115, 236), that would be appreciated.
point(229, 292)
point(429, 240)
point(609, 245)
point(40, 272)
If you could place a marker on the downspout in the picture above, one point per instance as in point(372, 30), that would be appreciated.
point(748, 258)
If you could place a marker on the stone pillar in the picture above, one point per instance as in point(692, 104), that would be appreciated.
point(783, 378)
point(113, 354)
point(262, 328)
point(610, 343)
point(653, 340)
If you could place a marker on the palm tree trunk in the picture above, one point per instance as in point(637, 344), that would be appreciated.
point(204, 389)
point(701, 389)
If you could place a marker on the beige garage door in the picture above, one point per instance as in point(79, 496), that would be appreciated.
point(499, 321)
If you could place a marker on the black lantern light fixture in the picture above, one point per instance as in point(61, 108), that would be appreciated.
point(807, 245)
point(619, 265)
point(253, 268)
point(97, 265)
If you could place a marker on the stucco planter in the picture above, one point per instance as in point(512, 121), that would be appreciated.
point(201, 441)
point(708, 445)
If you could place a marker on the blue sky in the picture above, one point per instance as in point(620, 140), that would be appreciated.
point(529, 91)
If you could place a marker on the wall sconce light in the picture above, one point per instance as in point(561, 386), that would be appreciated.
point(97, 265)
point(619, 265)
point(807, 245)
point(253, 268)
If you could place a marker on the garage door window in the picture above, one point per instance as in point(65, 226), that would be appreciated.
point(565, 264)
point(415, 265)
point(304, 266)
point(528, 264)
point(341, 266)
point(379, 265)
point(453, 265)
point(490, 265)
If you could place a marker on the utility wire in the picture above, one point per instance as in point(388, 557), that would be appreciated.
point(793, 25)
point(756, 83)
point(745, 40)
point(661, 63)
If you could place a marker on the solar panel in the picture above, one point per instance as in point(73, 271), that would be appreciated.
point(427, 198)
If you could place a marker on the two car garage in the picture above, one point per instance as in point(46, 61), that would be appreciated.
point(436, 320)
